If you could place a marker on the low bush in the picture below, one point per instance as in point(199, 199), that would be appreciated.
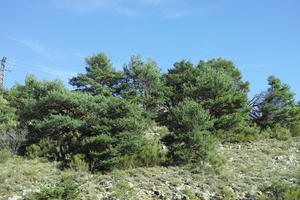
point(124, 191)
point(46, 148)
point(103, 129)
point(191, 194)
point(244, 133)
point(280, 133)
point(65, 189)
point(152, 154)
point(78, 163)
point(13, 138)
point(279, 191)
point(295, 129)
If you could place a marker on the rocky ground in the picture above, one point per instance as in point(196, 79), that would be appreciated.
point(238, 174)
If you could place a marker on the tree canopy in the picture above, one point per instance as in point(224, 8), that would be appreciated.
point(275, 106)
point(107, 122)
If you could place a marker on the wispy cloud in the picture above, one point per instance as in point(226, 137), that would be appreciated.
point(59, 73)
point(167, 9)
point(88, 6)
point(33, 45)
point(39, 49)
point(176, 13)
point(161, 8)
point(40, 69)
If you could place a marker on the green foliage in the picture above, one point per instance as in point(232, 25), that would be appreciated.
point(189, 141)
point(275, 107)
point(217, 164)
point(280, 191)
point(280, 133)
point(28, 94)
point(7, 115)
point(13, 138)
point(103, 124)
point(47, 148)
point(78, 163)
point(65, 189)
point(139, 82)
point(116, 129)
point(229, 68)
point(124, 191)
point(143, 84)
point(227, 194)
point(100, 78)
point(66, 123)
point(295, 129)
point(191, 195)
point(175, 80)
point(217, 88)
point(217, 92)
point(152, 154)
point(245, 132)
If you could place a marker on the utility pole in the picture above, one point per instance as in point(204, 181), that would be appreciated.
point(2, 71)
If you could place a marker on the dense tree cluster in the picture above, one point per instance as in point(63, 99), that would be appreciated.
point(105, 121)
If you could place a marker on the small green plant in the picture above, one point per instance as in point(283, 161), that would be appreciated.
point(217, 163)
point(65, 189)
point(190, 194)
point(5, 155)
point(295, 129)
point(78, 163)
point(280, 191)
point(163, 131)
point(45, 148)
point(151, 155)
point(175, 182)
point(244, 133)
point(124, 191)
point(227, 194)
point(280, 133)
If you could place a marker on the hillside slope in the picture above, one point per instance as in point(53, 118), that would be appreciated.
point(239, 174)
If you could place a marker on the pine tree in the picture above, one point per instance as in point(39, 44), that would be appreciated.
point(276, 106)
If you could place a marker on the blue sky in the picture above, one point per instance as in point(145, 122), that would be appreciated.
point(51, 38)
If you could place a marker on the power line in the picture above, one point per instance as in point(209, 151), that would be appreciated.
point(23, 68)
point(22, 65)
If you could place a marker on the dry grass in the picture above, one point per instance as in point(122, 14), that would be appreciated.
point(247, 166)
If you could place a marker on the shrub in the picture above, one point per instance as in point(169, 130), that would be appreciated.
point(103, 129)
point(280, 191)
point(295, 129)
point(275, 107)
point(191, 194)
point(189, 141)
point(216, 85)
point(65, 189)
point(46, 148)
point(243, 133)
point(123, 191)
point(7, 114)
point(217, 164)
point(151, 155)
point(78, 163)
point(280, 133)
point(13, 138)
